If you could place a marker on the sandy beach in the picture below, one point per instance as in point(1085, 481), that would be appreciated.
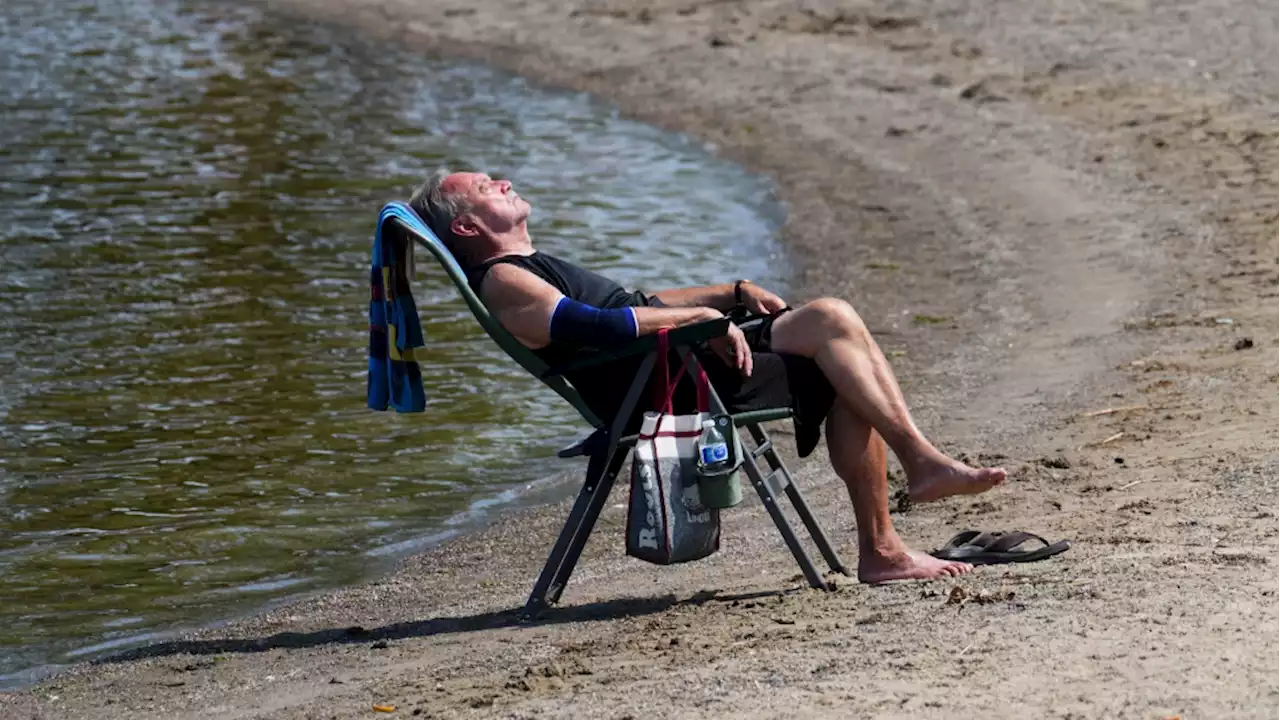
point(1060, 221)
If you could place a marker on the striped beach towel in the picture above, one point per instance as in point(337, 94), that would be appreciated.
point(395, 378)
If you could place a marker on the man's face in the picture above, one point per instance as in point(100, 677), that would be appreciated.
point(493, 208)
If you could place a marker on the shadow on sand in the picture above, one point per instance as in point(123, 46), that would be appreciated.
point(589, 612)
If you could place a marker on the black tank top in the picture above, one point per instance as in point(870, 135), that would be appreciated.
point(603, 387)
point(574, 282)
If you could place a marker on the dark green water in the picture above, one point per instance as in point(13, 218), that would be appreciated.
point(188, 192)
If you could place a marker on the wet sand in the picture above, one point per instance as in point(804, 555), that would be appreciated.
point(1059, 220)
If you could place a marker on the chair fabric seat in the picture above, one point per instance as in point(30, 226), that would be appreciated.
point(586, 444)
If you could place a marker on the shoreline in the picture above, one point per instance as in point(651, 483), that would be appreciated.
point(49, 643)
point(552, 489)
point(941, 168)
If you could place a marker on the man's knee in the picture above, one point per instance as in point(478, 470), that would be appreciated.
point(839, 317)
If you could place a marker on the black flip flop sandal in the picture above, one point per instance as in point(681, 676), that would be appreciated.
point(997, 548)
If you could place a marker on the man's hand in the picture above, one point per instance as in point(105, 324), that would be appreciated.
point(733, 349)
point(760, 301)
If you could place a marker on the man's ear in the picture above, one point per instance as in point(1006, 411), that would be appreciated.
point(464, 226)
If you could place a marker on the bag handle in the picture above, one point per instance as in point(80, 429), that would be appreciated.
point(665, 389)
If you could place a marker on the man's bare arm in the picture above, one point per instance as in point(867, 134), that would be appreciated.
point(522, 302)
point(732, 348)
point(724, 297)
point(719, 297)
point(651, 319)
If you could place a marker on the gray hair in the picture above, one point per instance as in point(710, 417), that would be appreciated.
point(438, 208)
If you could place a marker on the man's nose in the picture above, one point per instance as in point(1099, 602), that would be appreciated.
point(505, 185)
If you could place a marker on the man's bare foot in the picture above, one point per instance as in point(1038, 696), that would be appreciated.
point(907, 565)
point(936, 479)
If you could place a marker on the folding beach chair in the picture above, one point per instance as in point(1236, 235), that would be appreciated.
point(607, 448)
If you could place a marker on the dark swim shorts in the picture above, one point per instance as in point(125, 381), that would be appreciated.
point(778, 380)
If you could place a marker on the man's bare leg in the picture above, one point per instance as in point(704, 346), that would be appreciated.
point(858, 456)
point(830, 332)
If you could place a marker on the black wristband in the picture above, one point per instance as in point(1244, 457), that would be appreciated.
point(737, 293)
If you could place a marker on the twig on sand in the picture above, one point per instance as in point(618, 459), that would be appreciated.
point(966, 649)
point(1106, 441)
point(1129, 485)
point(1113, 410)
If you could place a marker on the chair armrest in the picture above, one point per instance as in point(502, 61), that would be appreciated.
point(588, 445)
point(687, 335)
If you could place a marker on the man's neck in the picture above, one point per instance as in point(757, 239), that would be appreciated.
point(511, 245)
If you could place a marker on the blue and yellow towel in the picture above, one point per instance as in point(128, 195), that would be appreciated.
point(395, 378)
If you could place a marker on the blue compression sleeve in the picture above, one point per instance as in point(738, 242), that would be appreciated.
point(583, 324)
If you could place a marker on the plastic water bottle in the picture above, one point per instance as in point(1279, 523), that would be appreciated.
point(713, 447)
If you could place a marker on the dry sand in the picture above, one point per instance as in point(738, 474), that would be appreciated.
point(1044, 210)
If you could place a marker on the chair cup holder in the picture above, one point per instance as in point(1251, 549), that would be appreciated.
point(721, 488)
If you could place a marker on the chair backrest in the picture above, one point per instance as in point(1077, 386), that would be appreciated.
point(404, 217)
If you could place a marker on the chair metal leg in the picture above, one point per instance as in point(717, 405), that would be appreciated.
point(815, 530)
point(770, 501)
point(591, 489)
point(797, 500)
point(602, 470)
point(598, 498)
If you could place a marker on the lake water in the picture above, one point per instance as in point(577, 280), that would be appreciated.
point(188, 192)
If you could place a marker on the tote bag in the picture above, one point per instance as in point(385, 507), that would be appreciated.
point(667, 522)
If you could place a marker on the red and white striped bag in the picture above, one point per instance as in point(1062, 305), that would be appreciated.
point(667, 522)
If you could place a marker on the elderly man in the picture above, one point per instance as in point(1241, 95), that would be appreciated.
point(819, 359)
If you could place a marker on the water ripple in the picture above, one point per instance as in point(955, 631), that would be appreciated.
point(189, 191)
